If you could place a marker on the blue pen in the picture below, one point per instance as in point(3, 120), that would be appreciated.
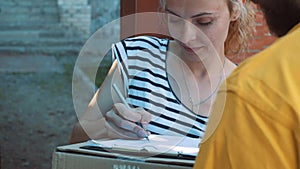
point(124, 101)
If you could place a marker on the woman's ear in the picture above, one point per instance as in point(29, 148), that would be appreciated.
point(236, 12)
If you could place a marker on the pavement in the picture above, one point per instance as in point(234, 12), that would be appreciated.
point(36, 109)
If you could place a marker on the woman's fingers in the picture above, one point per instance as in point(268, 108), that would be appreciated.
point(132, 114)
point(126, 113)
point(116, 132)
point(119, 121)
point(124, 126)
point(145, 116)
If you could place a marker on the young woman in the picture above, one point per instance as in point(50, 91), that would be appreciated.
point(261, 129)
point(169, 84)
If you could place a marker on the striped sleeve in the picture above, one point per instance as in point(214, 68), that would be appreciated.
point(120, 55)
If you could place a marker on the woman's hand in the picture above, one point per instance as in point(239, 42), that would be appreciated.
point(121, 122)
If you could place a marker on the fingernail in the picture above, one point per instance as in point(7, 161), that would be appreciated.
point(142, 133)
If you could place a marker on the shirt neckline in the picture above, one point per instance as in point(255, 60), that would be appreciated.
point(170, 87)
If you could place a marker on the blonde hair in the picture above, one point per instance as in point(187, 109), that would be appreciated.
point(240, 30)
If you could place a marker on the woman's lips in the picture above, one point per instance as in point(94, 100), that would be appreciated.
point(190, 49)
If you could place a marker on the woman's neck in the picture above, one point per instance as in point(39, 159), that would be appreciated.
point(197, 80)
point(197, 68)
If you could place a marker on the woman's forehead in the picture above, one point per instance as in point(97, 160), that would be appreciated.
point(193, 3)
point(192, 7)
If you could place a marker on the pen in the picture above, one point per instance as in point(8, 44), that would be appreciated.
point(126, 104)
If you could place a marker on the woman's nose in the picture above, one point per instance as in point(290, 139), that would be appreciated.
point(188, 32)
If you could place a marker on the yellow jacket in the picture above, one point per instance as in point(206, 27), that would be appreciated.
point(255, 120)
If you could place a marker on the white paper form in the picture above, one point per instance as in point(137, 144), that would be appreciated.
point(157, 144)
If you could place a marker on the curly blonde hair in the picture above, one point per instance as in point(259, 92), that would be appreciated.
point(240, 30)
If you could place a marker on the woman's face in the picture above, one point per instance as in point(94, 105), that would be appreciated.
point(211, 17)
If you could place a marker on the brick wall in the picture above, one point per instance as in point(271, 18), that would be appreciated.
point(262, 38)
point(88, 15)
point(75, 14)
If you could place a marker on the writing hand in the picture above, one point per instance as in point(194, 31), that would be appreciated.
point(121, 122)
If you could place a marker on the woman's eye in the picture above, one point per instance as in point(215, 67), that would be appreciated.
point(204, 22)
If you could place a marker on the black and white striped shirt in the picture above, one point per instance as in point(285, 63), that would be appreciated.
point(142, 62)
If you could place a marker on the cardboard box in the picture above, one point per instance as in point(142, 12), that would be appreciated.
point(74, 157)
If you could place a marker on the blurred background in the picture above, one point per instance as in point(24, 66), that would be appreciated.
point(39, 44)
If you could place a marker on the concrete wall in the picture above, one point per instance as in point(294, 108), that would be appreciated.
point(103, 12)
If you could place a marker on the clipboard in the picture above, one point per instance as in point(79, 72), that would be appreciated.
point(161, 146)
